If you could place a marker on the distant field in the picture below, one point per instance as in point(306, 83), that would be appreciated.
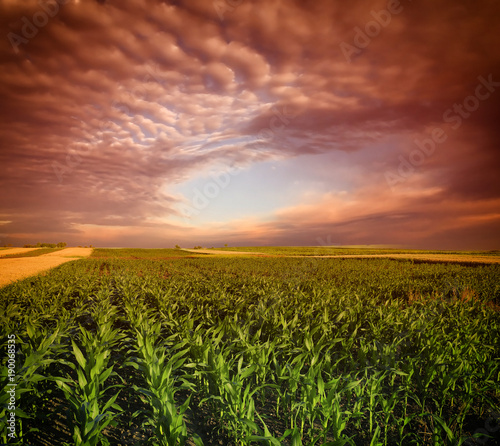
point(34, 253)
point(342, 250)
point(20, 266)
point(133, 253)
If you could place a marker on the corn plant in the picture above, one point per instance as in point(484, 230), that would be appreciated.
point(166, 419)
point(159, 370)
point(361, 352)
point(37, 348)
point(86, 394)
point(288, 379)
point(232, 395)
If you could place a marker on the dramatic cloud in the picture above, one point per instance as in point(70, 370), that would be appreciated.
point(150, 123)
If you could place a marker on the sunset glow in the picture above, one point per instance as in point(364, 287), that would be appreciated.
point(151, 123)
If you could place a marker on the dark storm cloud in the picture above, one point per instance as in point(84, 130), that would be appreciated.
point(107, 104)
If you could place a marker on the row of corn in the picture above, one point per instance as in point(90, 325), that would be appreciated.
point(199, 351)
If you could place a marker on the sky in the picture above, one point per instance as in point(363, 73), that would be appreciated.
point(148, 123)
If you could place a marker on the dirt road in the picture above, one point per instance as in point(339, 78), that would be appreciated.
point(20, 268)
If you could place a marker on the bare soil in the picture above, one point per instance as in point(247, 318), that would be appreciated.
point(20, 268)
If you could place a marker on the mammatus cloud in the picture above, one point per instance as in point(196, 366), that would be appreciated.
point(109, 108)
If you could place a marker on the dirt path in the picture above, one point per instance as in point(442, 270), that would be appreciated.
point(20, 268)
point(6, 252)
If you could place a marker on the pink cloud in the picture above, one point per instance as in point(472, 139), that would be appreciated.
point(127, 100)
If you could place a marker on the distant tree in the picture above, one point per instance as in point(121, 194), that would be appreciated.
point(225, 245)
point(177, 247)
point(61, 244)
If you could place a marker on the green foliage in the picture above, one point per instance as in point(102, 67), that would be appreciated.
point(86, 393)
point(259, 351)
point(46, 245)
point(34, 253)
point(345, 251)
point(132, 253)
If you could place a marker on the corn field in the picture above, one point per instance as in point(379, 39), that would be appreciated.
point(248, 351)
